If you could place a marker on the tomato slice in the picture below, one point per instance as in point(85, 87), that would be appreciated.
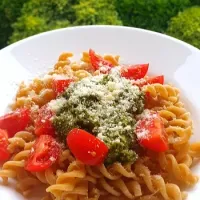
point(45, 152)
point(59, 85)
point(4, 153)
point(43, 124)
point(86, 147)
point(156, 79)
point(99, 63)
point(15, 121)
point(149, 80)
point(150, 132)
point(134, 71)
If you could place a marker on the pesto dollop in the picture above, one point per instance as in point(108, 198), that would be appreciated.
point(105, 106)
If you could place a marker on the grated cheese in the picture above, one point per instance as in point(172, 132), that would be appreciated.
point(104, 105)
point(55, 105)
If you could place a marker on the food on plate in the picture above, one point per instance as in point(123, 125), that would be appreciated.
point(96, 129)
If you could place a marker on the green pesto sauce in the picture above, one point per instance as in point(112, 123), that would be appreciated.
point(105, 106)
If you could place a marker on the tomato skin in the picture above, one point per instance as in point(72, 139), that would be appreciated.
point(134, 71)
point(86, 147)
point(156, 79)
point(155, 136)
point(4, 153)
point(45, 152)
point(59, 85)
point(15, 121)
point(96, 61)
point(149, 80)
point(149, 101)
point(43, 124)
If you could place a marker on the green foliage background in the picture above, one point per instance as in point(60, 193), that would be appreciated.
point(186, 26)
point(22, 18)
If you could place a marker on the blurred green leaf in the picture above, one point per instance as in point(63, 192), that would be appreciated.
point(149, 14)
point(186, 26)
point(41, 15)
point(9, 11)
point(89, 12)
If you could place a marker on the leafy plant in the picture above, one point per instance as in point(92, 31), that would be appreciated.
point(186, 26)
point(9, 11)
point(89, 12)
point(149, 14)
point(195, 2)
point(41, 15)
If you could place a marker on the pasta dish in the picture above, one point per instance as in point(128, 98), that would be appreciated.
point(98, 129)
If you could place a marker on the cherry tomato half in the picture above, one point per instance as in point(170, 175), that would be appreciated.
point(86, 147)
point(43, 124)
point(59, 85)
point(99, 63)
point(150, 132)
point(45, 152)
point(4, 153)
point(149, 80)
point(134, 71)
point(15, 121)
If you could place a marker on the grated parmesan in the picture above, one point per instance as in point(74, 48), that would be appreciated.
point(104, 105)
point(55, 105)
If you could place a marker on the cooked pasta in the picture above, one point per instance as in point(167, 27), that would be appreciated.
point(153, 175)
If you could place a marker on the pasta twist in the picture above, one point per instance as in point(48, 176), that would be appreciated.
point(39, 92)
point(80, 74)
point(129, 189)
point(18, 143)
point(21, 140)
point(47, 177)
point(175, 116)
point(180, 171)
point(10, 169)
point(178, 126)
point(195, 150)
point(114, 172)
point(70, 182)
point(65, 158)
point(156, 183)
point(163, 92)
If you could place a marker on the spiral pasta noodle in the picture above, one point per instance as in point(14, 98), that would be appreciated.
point(164, 92)
point(70, 182)
point(114, 172)
point(21, 140)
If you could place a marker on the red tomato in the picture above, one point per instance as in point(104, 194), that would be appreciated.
point(86, 147)
point(59, 85)
point(151, 134)
point(156, 79)
point(150, 101)
point(4, 153)
point(43, 124)
point(15, 121)
point(134, 71)
point(98, 61)
point(149, 80)
point(45, 152)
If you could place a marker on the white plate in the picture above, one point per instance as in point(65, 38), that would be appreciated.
point(178, 61)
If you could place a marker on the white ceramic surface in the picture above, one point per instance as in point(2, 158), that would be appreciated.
point(178, 61)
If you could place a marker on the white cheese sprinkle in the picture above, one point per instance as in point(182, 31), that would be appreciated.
point(55, 105)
